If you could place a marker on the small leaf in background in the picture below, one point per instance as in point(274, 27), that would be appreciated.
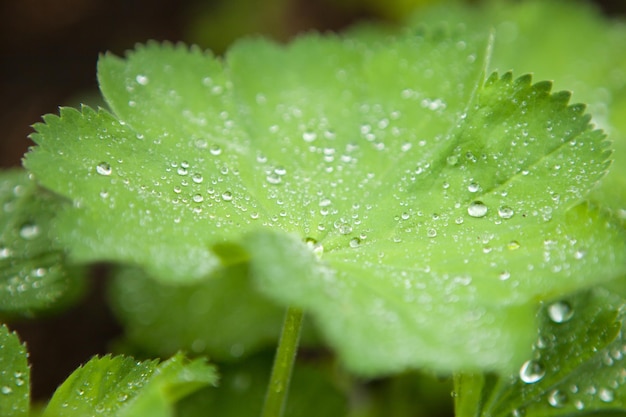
point(124, 387)
point(577, 366)
point(223, 317)
point(418, 211)
point(14, 376)
point(34, 275)
point(242, 391)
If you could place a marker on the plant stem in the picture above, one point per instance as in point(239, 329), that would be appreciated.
point(278, 387)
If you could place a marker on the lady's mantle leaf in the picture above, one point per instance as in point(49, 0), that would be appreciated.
point(14, 376)
point(438, 207)
point(123, 387)
point(33, 273)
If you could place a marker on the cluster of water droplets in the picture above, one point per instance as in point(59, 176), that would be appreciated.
point(570, 392)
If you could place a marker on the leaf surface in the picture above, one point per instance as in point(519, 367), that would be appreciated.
point(576, 366)
point(14, 375)
point(122, 386)
point(34, 275)
point(223, 317)
point(437, 207)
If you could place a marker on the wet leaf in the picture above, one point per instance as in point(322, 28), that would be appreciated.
point(124, 387)
point(14, 376)
point(576, 366)
point(417, 210)
point(34, 275)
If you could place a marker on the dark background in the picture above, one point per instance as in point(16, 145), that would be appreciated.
point(48, 55)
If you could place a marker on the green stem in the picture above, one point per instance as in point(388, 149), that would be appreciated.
point(283, 364)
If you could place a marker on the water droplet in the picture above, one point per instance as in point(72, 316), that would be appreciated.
point(606, 395)
point(215, 150)
point(531, 372)
point(29, 231)
point(355, 242)
point(197, 178)
point(5, 252)
point(309, 136)
point(560, 312)
point(198, 198)
point(103, 168)
point(273, 178)
point(505, 212)
point(452, 160)
point(504, 275)
point(431, 232)
point(477, 209)
point(6, 390)
point(513, 245)
point(227, 196)
point(473, 187)
point(142, 79)
point(557, 398)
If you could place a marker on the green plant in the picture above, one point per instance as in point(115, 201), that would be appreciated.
point(423, 211)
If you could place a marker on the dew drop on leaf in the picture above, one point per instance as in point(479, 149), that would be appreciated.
point(505, 212)
point(560, 312)
point(557, 398)
point(227, 196)
point(513, 245)
point(5, 252)
point(473, 187)
point(531, 372)
point(29, 231)
point(197, 178)
point(104, 168)
point(142, 79)
point(6, 390)
point(355, 242)
point(431, 232)
point(605, 395)
point(215, 150)
point(198, 198)
point(477, 209)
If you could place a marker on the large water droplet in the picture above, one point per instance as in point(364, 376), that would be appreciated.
point(560, 312)
point(227, 196)
point(477, 209)
point(104, 168)
point(531, 372)
point(6, 390)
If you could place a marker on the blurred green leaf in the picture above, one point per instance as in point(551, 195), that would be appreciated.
point(223, 317)
point(34, 275)
point(242, 390)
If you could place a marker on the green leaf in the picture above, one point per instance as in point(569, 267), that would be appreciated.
point(34, 275)
point(576, 366)
point(242, 390)
point(223, 317)
point(14, 376)
point(578, 53)
point(438, 207)
point(124, 387)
